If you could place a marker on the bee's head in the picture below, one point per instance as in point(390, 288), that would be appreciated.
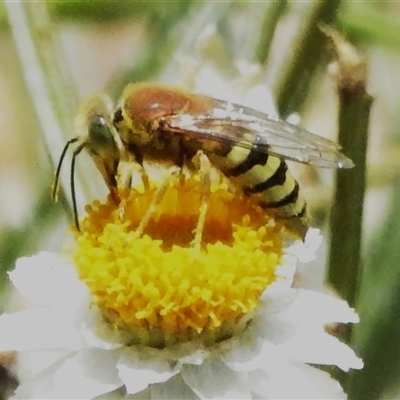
point(97, 136)
point(101, 145)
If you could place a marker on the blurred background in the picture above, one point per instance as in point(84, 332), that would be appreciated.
point(54, 54)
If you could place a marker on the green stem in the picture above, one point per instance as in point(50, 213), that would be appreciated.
point(174, 35)
point(344, 268)
point(347, 210)
point(377, 336)
point(293, 84)
point(272, 15)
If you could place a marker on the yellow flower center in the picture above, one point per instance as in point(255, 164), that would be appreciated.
point(158, 285)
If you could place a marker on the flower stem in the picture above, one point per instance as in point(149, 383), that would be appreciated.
point(171, 36)
point(347, 211)
point(377, 336)
point(271, 17)
point(293, 84)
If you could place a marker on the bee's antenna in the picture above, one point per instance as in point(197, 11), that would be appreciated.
point(57, 177)
point(74, 206)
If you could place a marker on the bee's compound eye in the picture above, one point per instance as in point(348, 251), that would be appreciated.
point(100, 132)
point(101, 142)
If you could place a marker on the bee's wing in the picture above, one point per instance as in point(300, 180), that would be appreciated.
point(249, 128)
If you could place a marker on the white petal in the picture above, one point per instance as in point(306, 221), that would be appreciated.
point(295, 381)
point(305, 251)
point(90, 373)
point(309, 307)
point(318, 347)
point(290, 325)
point(275, 300)
point(285, 273)
point(87, 374)
point(38, 329)
point(249, 359)
point(213, 379)
point(140, 367)
point(47, 279)
point(187, 354)
point(30, 363)
point(96, 332)
point(327, 308)
point(175, 388)
point(40, 385)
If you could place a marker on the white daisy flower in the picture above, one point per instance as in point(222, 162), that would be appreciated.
point(200, 343)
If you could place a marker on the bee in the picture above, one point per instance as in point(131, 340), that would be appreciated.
point(161, 124)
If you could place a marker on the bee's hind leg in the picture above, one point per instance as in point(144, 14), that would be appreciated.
point(205, 190)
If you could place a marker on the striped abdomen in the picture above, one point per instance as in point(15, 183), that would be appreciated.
point(267, 180)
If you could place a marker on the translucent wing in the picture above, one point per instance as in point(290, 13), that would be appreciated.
point(252, 129)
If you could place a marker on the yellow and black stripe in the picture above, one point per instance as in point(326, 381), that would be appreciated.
point(268, 181)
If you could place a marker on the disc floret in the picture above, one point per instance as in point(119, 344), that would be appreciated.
point(158, 285)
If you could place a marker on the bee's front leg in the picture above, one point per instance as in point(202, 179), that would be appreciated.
point(171, 173)
point(129, 170)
